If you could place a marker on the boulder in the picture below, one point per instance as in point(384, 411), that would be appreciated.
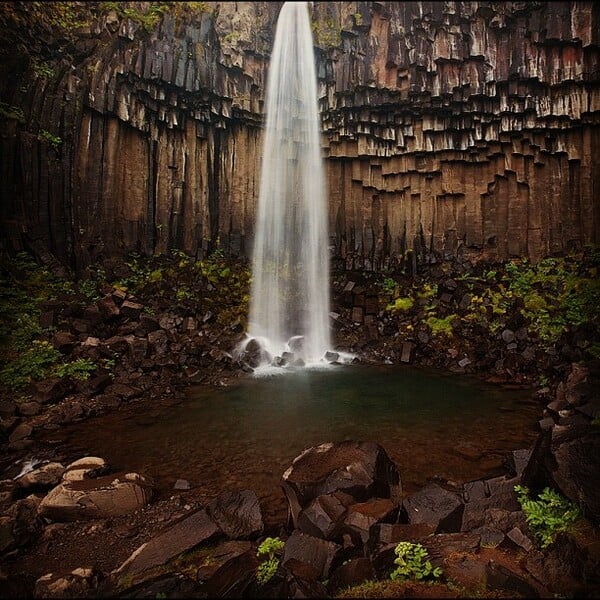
point(323, 517)
point(570, 463)
point(185, 534)
point(237, 514)
point(435, 506)
point(494, 493)
point(43, 477)
point(360, 469)
point(107, 496)
point(312, 551)
point(228, 570)
point(361, 516)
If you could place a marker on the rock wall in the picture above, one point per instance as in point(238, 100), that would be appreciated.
point(448, 127)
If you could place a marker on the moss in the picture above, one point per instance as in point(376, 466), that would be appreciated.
point(441, 326)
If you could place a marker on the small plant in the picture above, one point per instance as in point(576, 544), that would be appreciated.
point(548, 515)
point(412, 563)
point(401, 305)
point(45, 136)
point(32, 365)
point(389, 285)
point(268, 567)
point(78, 369)
point(441, 326)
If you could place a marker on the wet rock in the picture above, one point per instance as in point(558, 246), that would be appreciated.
point(229, 570)
point(105, 496)
point(42, 478)
point(331, 356)
point(360, 469)
point(323, 516)
point(361, 516)
point(237, 514)
point(518, 460)
point(313, 551)
point(296, 344)
point(187, 533)
point(436, 506)
point(495, 493)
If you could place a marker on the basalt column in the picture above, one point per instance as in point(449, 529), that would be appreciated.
point(448, 127)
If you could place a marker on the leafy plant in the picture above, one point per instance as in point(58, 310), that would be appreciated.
point(77, 369)
point(34, 364)
point(548, 515)
point(45, 136)
point(389, 285)
point(412, 563)
point(270, 563)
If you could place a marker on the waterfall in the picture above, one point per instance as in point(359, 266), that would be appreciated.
point(289, 297)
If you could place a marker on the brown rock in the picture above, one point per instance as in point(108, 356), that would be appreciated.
point(360, 469)
point(106, 496)
point(187, 533)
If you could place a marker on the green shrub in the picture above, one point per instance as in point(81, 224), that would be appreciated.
point(548, 515)
point(34, 364)
point(412, 563)
point(77, 369)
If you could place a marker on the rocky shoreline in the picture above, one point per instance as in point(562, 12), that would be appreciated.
point(84, 523)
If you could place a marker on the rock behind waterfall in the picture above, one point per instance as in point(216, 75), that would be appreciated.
point(362, 470)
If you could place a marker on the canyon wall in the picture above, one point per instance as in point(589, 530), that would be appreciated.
point(449, 128)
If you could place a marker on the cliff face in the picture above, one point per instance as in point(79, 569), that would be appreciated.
point(469, 127)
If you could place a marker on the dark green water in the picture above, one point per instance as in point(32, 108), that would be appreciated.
point(246, 436)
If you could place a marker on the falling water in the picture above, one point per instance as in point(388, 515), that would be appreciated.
point(289, 302)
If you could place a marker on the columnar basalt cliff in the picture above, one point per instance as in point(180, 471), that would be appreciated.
point(448, 127)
